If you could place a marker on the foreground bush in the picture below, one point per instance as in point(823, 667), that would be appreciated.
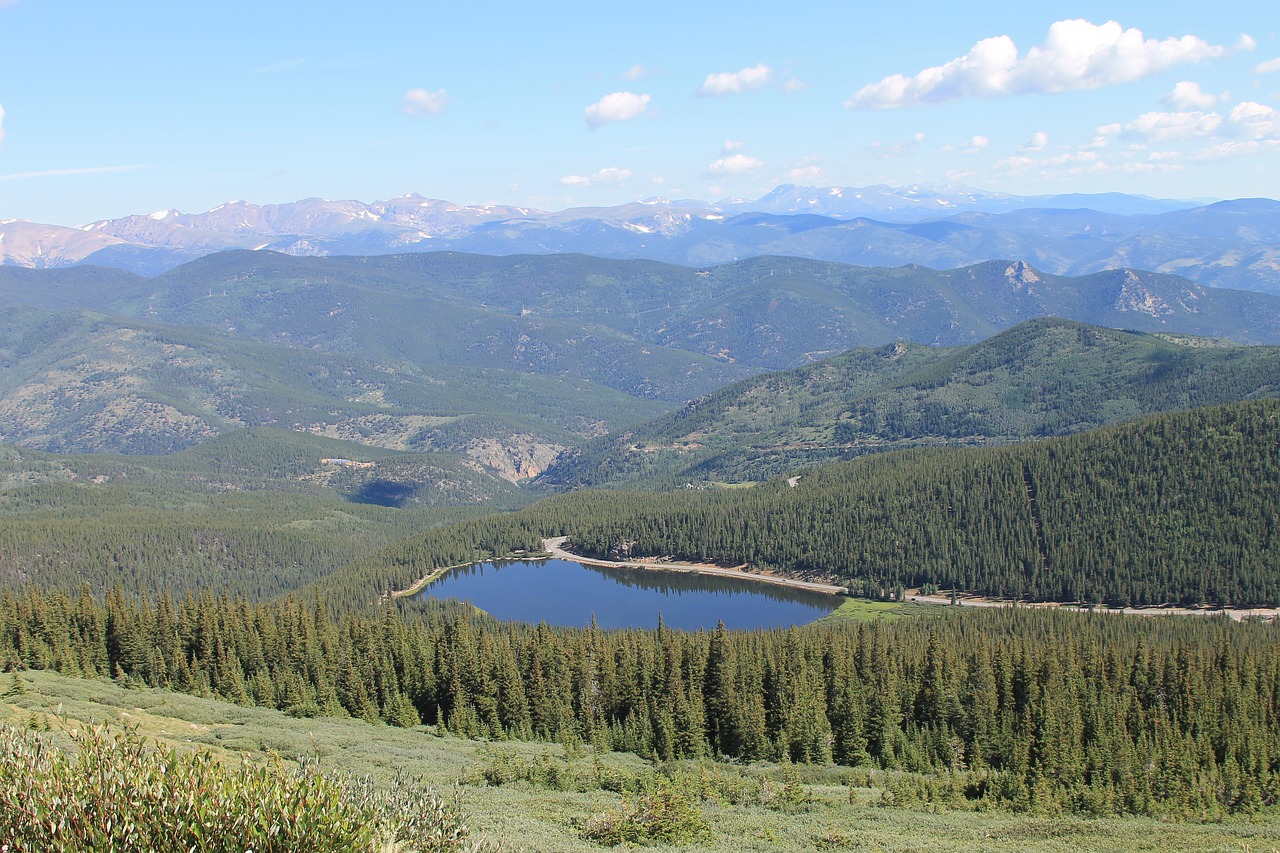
point(662, 815)
point(115, 793)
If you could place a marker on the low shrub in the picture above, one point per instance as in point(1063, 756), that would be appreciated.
point(662, 815)
point(116, 792)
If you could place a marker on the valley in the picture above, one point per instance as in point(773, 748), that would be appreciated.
point(269, 480)
point(461, 428)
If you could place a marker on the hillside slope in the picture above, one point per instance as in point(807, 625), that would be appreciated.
point(84, 382)
point(1040, 378)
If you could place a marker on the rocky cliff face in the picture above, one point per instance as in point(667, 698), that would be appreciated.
point(514, 458)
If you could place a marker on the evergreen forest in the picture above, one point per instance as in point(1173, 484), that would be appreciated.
point(1014, 709)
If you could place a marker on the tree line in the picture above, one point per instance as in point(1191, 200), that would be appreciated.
point(1021, 707)
point(1177, 508)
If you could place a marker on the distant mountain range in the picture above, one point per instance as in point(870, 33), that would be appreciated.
point(1226, 244)
point(505, 361)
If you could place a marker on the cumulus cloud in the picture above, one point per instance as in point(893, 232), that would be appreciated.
point(1074, 162)
point(806, 173)
point(618, 106)
point(731, 145)
point(735, 164)
point(606, 176)
point(1269, 67)
point(1248, 120)
point(1037, 142)
point(736, 82)
point(1255, 121)
point(794, 85)
point(975, 145)
point(1188, 96)
point(1184, 138)
point(635, 72)
point(1076, 54)
point(1156, 127)
point(420, 102)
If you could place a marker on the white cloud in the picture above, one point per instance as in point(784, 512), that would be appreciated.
point(420, 102)
point(1230, 150)
point(1037, 142)
point(635, 72)
point(736, 164)
point(794, 85)
point(1076, 54)
point(606, 176)
point(1255, 121)
point(1072, 162)
point(731, 145)
point(1186, 137)
point(807, 170)
point(1246, 120)
point(736, 82)
point(807, 174)
point(1269, 67)
point(1156, 127)
point(974, 145)
point(618, 106)
point(1016, 163)
point(1188, 96)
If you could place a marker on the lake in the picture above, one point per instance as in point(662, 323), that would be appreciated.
point(560, 592)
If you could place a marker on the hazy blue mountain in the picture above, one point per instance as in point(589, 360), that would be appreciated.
point(1230, 244)
point(504, 360)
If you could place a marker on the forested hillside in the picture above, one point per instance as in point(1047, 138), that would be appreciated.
point(257, 512)
point(1012, 709)
point(767, 312)
point(1184, 507)
point(509, 360)
point(1041, 378)
point(1180, 507)
point(81, 382)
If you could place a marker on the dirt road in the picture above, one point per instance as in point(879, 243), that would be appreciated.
point(555, 548)
point(1239, 614)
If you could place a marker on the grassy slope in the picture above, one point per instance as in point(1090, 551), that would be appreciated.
point(524, 817)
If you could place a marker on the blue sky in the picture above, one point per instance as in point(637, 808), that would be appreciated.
point(117, 108)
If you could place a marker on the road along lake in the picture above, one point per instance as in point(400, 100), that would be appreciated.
point(560, 592)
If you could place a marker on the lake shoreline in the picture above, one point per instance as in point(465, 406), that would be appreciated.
point(554, 547)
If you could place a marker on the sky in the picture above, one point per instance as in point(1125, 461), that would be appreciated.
point(111, 109)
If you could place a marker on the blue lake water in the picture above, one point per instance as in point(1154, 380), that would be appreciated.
point(560, 592)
